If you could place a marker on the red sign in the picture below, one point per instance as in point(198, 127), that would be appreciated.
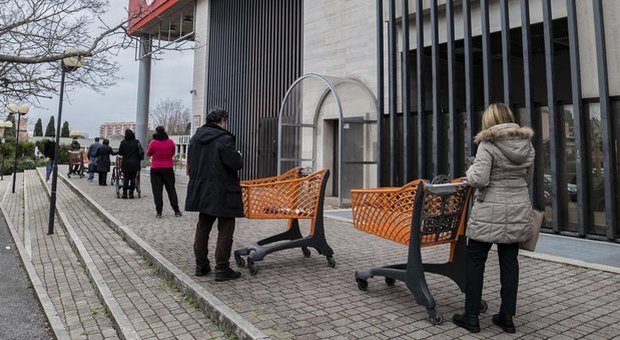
point(142, 12)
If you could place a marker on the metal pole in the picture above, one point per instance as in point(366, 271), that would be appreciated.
point(380, 94)
point(392, 91)
point(16, 151)
point(50, 226)
point(144, 84)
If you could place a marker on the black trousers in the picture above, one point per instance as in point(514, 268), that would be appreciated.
point(509, 275)
point(160, 178)
point(225, 228)
point(129, 181)
point(103, 177)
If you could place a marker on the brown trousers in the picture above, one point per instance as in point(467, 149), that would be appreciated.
point(225, 228)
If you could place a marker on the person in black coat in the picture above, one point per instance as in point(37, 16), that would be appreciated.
point(102, 165)
point(132, 153)
point(214, 191)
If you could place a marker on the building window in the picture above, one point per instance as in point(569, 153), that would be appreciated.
point(597, 203)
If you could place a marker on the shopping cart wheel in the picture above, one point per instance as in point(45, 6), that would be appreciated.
point(331, 262)
point(435, 318)
point(306, 251)
point(252, 267)
point(362, 284)
point(390, 281)
point(484, 306)
point(240, 261)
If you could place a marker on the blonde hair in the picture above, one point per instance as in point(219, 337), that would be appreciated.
point(497, 114)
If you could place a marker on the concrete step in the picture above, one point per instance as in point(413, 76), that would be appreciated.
point(141, 302)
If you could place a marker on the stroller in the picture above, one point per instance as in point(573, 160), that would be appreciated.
point(118, 177)
point(77, 161)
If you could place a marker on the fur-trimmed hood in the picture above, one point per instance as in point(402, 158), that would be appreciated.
point(511, 139)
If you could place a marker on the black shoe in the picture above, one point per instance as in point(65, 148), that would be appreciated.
point(178, 213)
point(227, 274)
point(469, 322)
point(124, 196)
point(158, 215)
point(131, 195)
point(202, 270)
point(505, 322)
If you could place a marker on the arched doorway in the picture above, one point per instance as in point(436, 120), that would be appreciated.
point(330, 122)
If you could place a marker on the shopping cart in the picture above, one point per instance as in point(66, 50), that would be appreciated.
point(76, 163)
point(118, 178)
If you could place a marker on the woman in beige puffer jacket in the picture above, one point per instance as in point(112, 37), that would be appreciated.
point(502, 211)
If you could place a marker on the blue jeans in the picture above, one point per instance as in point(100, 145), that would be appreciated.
point(91, 171)
point(48, 169)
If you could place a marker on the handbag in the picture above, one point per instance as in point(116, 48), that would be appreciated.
point(539, 218)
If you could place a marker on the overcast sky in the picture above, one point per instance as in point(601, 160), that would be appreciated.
point(171, 77)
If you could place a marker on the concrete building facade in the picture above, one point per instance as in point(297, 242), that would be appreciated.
point(555, 62)
point(115, 129)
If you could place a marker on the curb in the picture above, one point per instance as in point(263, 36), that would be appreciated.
point(213, 307)
point(117, 315)
point(27, 240)
point(57, 326)
point(563, 260)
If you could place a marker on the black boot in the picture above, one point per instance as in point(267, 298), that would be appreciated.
point(124, 195)
point(202, 270)
point(505, 322)
point(226, 274)
point(469, 322)
point(131, 195)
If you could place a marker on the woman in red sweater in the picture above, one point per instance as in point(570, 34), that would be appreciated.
point(161, 150)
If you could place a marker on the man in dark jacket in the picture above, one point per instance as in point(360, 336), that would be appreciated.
point(132, 153)
point(91, 159)
point(49, 151)
point(214, 191)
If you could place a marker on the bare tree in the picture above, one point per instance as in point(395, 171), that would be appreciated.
point(36, 34)
point(172, 114)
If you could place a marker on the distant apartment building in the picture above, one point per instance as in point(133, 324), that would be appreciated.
point(115, 129)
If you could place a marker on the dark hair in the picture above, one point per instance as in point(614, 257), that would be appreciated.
point(160, 133)
point(216, 115)
point(96, 139)
point(129, 135)
point(106, 141)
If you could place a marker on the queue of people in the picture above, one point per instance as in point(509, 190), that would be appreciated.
point(503, 167)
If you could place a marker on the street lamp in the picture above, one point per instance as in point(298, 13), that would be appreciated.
point(3, 125)
point(21, 110)
point(68, 64)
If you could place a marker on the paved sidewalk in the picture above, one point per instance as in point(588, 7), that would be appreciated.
point(154, 309)
point(297, 297)
point(65, 281)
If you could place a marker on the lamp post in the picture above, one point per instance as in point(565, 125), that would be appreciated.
point(68, 64)
point(21, 110)
point(3, 125)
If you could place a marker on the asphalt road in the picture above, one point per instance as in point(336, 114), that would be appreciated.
point(21, 315)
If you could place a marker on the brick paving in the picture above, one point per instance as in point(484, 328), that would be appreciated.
point(297, 297)
point(155, 309)
point(57, 266)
